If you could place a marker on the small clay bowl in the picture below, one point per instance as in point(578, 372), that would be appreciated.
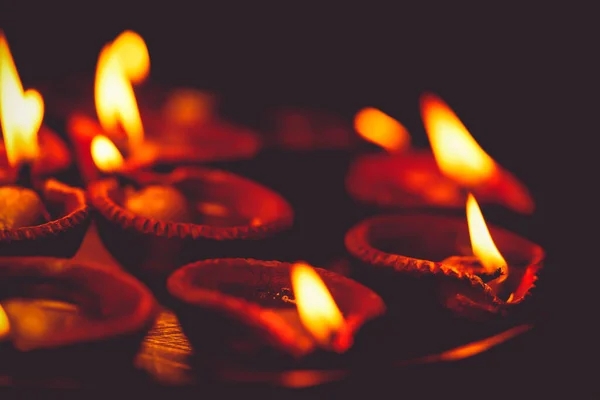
point(400, 257)
point(60, 237)
point(413, 180)
point(251, 221)
point(246, 307)
point(104, 316)
point(54, 157)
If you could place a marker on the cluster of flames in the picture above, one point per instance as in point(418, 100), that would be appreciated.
point(126, 61)
point(457, 155)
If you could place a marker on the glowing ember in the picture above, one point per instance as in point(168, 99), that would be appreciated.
point(121, 62)
point(481, 241)
point(456, 152)
point(105, 154)
point(381, 129)
point(317, 309)
point(21, 112)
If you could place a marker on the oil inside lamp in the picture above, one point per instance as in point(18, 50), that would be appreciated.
point(21, 114)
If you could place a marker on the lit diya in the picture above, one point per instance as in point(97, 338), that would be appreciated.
point(403, 177)
point(56, 314)
point(23, 111)
point(38, 216)
point(269, 311)
point(431, 258)
point(155, 222)
point(180, 127)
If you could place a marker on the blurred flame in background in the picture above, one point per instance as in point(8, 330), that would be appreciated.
point(381, 129)
point(121, 62)
point(105, 154)
point(21, 112)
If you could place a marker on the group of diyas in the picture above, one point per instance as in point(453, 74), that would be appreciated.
point(148, 168)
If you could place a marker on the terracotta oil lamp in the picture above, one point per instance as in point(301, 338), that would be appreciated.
point(38, 216)
point(264, 312)
point(433, 260)
point(190, 213)
point(56, 314)
point(169, 128)
point(410, 178)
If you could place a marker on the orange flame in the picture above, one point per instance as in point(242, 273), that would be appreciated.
point(456, 152)
point(317, 309)
point(105, 154)
point(4, 323)
point(21, 112)
point(381, 129)
point(121, 62)
point(481, 241)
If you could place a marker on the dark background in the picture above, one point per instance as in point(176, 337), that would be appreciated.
point(521, 78)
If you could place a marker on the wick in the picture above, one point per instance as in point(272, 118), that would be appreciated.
point(25, 176)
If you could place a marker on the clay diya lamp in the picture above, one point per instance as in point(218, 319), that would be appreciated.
point(56, 314)
point(153, 223)
point(170, 127)
point(434, 260)
point(269, 313)
point(50, 155)
point(404, 177)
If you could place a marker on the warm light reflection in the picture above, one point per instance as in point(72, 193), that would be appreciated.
point(21, 112)
point(105, 154)
point(480, 346)
point(121, 62)
point(4, 323)
point(381, 129)
point(481, 241)
point(456, 152)
point(317, 309)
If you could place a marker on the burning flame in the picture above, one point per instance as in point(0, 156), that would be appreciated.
point(381, 129)
point(105, 154)
point(120, 63)
point(481, 240)
point(21, 112)
point(456, 152)
point(317, 309)
point(4, 323)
